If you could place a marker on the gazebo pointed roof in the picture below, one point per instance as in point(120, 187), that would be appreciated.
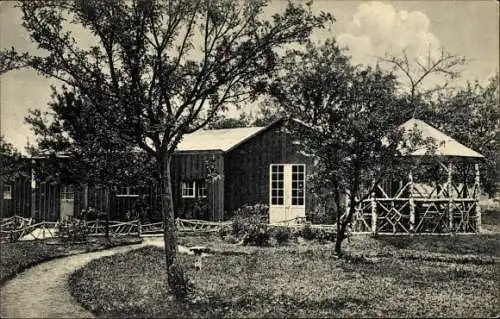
point(446, 145)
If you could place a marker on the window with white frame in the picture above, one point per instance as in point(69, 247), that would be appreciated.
point(7, 192)
point(188, 189)
point(194, 189)
point(201, 188)
point(67, 193)
point(277, 184)
point(126, 191)
point(298, 185)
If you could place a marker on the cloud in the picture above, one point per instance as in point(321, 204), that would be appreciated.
point(378, 28)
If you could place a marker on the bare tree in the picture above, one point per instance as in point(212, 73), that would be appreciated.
point(414, 72)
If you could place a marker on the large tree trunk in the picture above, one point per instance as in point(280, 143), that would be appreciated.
point(341, 232)
point(167, 209)
point(339, 239)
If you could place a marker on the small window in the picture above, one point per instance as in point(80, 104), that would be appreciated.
point(67, 193)
point(201, 189)
point(126, 191)
point(7, 192)
point(188, 188)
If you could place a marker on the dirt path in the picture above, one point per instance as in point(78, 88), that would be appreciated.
point(42, 292)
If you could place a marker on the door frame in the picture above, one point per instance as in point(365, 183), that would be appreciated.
point(66, 200)
point(287, 209)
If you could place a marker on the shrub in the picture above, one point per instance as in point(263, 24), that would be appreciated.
point(307, 232)
point(325, 235)
point(259, 211)
point(249, 224)
point(321, 215)
point(257, 234)
point(73, 230)
point(282, 234)
point(238, 226)
point(224, 231)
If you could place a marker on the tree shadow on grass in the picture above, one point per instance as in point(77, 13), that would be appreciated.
point(273, 306)
point(459, 244)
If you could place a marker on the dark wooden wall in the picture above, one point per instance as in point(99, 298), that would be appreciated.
point(47, 200)
point(187, 166)
point(20, 202)
point(247, 167)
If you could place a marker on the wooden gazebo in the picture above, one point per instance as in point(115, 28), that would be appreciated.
point(440, 194)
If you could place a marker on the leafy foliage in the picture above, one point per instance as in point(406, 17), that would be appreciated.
point(250, 230)
point(479, 106)
point(282, 235)
point(256, 234)
point(258, 211)
point(92, 153)
point(12, 164)
point(223, 122)
point(307, 232)
point(157, 70)
point(73, 230)
point(347, 118)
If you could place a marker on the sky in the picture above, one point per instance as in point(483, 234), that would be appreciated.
point(369, 29)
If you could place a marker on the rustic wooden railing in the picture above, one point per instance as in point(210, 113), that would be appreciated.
point(16, 228)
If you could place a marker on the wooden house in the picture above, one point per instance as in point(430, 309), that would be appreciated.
point(215, 172)
point(230, 168)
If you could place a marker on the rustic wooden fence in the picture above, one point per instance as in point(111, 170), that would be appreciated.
point(15, 228)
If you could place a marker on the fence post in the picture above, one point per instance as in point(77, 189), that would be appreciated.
point(139, 228)
point(374, 213)
point(412, 202)
point(348, 209)
point(450, 197)
point(476, 197)
point(33, 189)
point(85, 196)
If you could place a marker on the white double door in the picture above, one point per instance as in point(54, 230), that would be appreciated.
point(67, 196)
point(286, 192)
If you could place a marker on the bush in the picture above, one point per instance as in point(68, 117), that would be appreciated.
point(307, 232)
point(73, 230)
point(322, 235)
point(282, 234)
point(225, 231)
point(239, 226)
point(257, 234)
point(325, 235)
point(258, 211)
point(249, 224)
point(320, 215)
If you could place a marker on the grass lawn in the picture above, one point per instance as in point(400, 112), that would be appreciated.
point(303, 280)
point(491, 220)
point(15, 257)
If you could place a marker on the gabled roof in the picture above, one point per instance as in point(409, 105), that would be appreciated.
point(221, 139)
point(446, 145)
point(227, 139)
